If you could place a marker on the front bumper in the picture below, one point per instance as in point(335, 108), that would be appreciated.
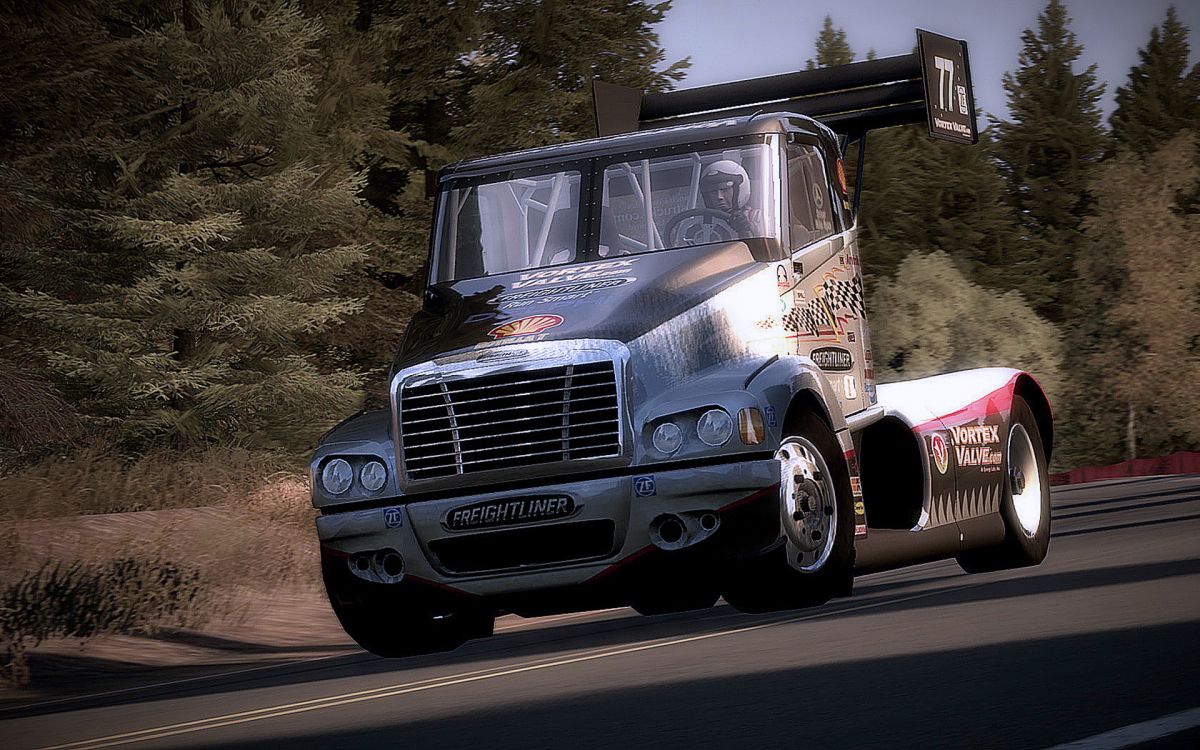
point(743, 494)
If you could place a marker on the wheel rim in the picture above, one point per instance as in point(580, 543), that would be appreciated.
point(1025, 480)
point(808, 503)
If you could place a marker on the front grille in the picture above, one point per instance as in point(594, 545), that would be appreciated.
point(510, 419)
point(537, 545)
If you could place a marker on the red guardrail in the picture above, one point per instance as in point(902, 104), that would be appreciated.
point(1180, 462)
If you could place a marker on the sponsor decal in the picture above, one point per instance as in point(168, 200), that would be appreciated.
point(585, 272)
point(836, 302)
point(976, 434)
point(502, 355)
point(526, 326)
point(856, 486)
point(564, 293)
point(833, 358)
point(770, 411)
point(851, 336)
point(941, 455)
point(509, 511)
point(851, 387)
point(644, 486)
point(393, 518)
point(978, 445)
point(782, 283)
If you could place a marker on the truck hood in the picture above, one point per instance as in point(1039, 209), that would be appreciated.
point(619, 299)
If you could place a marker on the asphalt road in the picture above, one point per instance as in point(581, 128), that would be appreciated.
point(1103, 635)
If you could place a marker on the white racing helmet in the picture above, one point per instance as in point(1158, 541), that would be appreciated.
point(727, 173)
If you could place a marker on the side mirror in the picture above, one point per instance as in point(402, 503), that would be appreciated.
point(433, 300)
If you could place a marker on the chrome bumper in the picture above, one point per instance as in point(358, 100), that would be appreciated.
point(629, 504)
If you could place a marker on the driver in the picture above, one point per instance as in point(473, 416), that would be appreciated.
point(725, 186)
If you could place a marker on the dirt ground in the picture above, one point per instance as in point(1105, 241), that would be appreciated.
point(267, 606)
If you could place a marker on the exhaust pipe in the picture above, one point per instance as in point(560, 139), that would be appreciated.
point(672, 532)
point(378, 566)
point(668, 532)
point(389, 566)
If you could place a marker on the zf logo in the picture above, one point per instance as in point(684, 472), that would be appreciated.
point(644, 486)
point(392, 518)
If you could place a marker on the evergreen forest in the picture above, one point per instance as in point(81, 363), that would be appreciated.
point(214, 214)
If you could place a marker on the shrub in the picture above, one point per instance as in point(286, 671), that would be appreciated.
point(83, 600)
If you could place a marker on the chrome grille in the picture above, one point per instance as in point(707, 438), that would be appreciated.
point(509, 419)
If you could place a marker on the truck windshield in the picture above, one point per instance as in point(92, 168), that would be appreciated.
point(517, 221)
point(689, 198)
point(509, 225)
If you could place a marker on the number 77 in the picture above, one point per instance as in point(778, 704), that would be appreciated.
point(945, 81)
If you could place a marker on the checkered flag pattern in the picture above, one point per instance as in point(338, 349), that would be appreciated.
point(807, 319)
point(839, 295)
point(845, 294)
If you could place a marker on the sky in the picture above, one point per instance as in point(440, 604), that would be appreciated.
point(731, 40)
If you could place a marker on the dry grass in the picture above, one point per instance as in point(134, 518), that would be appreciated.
point(96, 481)
point(225, 527)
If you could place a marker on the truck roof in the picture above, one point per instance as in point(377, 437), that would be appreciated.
point(727, 127)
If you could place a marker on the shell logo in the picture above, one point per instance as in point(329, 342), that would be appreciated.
point(941, 455)
point(525, 326)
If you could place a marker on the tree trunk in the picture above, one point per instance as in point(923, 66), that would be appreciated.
point(1131, 434)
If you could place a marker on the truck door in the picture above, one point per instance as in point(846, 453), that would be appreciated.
point(828, 314)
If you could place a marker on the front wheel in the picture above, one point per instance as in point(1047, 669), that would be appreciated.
point(813, 560)
point(1025, 505)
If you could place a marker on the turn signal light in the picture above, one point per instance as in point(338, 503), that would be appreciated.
point(750, 426)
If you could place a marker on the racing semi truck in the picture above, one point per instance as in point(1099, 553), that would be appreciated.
point(642, 376)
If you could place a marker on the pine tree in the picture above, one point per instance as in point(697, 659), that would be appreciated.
point(832, 47)
point(1046, 155)
point(530, 76)
point(63, 87)
point(1138, 344)
point(1161, 97)
point(228, 216)
point(921, 195)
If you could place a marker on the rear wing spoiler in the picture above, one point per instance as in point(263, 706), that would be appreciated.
point(931, 85)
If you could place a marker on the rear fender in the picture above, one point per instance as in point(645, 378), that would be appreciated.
point(961, 420)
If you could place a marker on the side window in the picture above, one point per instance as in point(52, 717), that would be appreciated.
point(810, 211)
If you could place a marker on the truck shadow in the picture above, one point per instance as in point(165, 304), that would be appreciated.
point(525, 645)
point(1062, 688)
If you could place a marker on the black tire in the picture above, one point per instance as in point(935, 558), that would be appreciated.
point(1020, 548)
point(770, 582)
point(381, 619)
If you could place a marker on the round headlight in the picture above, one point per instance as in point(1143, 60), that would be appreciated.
point(667, 437)
point(373, 475)
point(715, 427)
point(337, 476)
